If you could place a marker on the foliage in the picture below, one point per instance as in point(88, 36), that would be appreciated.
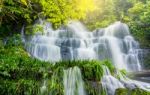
point(139, 22)
point(32, 29)
point(19, 87)
point(18, 12)
point(94, 88)
point(99, 13)
point(136, 91)
point(133, 12)
point(121, 74)
point(13, 41)
point(13, 14)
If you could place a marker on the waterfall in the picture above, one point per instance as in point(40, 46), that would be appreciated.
point(43, 88)
point(73, 83)
point(110, 83)
point(76, 42)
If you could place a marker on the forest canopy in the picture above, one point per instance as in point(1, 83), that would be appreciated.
point(93, 13)
point(56, 11)
point(60, 11)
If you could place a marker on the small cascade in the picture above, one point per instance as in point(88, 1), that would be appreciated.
point(110, 83)
point(76, 42)
point(132, 84)
point(123, 47)
point(43, 88)
point(73, 83)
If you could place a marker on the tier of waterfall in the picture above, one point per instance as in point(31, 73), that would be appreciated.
point(110, 83)
point(76, 42)
point(73, 83)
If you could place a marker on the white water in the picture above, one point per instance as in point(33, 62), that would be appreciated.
point(76, 42)
point(110, 83)
point(73, 83)
point(43, 88)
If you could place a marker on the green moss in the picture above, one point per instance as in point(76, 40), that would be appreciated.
point(136, 91)
point(121, 91)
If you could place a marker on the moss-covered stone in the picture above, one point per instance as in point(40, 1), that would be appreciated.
point(121, 91)
point(136, 91)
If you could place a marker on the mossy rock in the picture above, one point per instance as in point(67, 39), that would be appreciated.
point(121, 91)
point(136, 91)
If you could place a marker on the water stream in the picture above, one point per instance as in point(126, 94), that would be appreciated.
point(73, 83)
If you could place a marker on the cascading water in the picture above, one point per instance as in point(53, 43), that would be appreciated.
point(76, 42)
point(73, 83)
point(110, 83)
